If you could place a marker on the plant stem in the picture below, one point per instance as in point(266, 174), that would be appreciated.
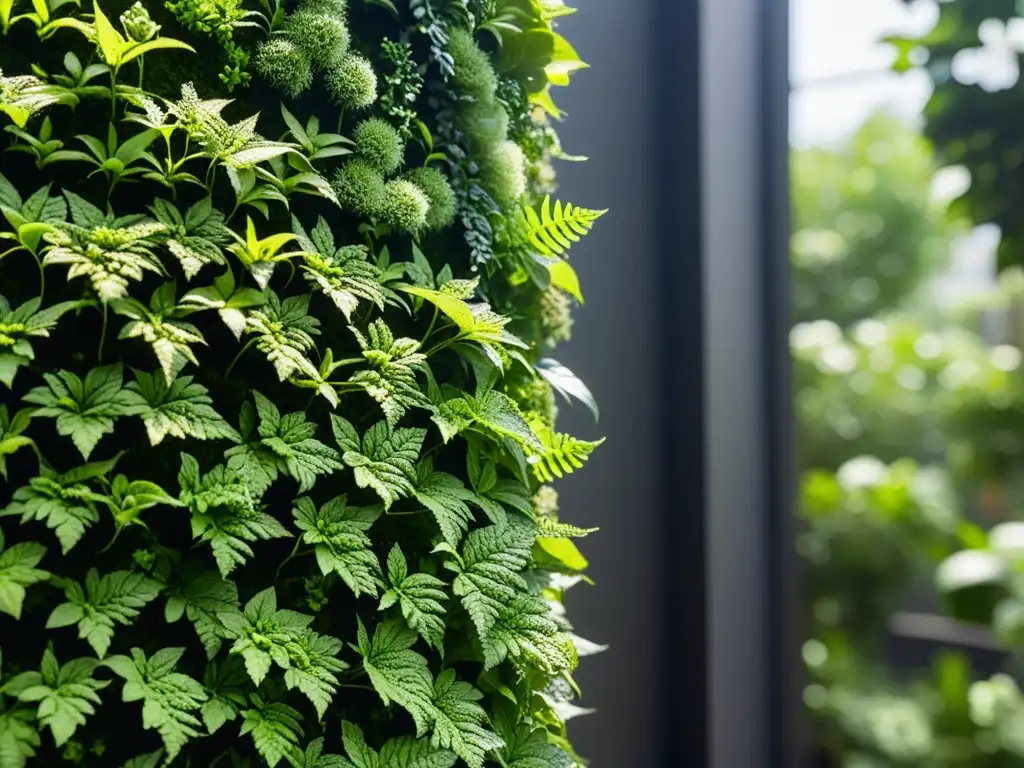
point(430, 328)
point(238, 357)
point(142, 64)
point(341, 116)
point(113, 93)
point(42, 275)
point(103, 336)
point(406, 514)
point(443, 344)
point(291, 555)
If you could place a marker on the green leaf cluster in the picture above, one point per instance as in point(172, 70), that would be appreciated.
point(268, 443)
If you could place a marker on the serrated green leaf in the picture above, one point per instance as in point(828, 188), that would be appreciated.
point(183, 409)
point(169, 699)
point(224, 682)
point(344, 274)
point(85, 411)
point(391, 378)
point(265, 636)
point(446, 497)
point(287, 446)
point(202, 600)
point(17, 571)
point(422, 598)
point(225, 513)
point(386, 459)
point(64, 502)
point(116, 598)
point(461, 724)
point(284, 332)
point(398, 673)
point(66, 694)
point(338, 533)
point(18, 738)
point(276, 729)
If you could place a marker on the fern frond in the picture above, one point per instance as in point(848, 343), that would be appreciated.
point(552, 231)
point(562, 454)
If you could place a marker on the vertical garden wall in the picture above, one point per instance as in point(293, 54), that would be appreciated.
point(280, 285)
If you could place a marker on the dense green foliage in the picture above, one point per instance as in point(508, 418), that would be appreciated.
point(277, 421)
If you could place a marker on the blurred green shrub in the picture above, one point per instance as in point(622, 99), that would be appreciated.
point(867, 229)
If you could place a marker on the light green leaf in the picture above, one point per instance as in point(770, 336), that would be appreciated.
point(398, 673)
point(161, 43)
point(457, 310)
point(564, 277)
point(338, 533)
point(386, 459)
point(110, 41)
point(17, 571)
point(183, 409)
point(169, 699)
point(116, 598)
point(461, 724)
point(84, 411)
point(422, 598)
point(66, 694)
point(276, 729)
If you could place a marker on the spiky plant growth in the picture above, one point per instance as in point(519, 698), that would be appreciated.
point(277, 421)
point(379, 145)
point(352, 82)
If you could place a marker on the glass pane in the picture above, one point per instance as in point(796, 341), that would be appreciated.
point(906, 253)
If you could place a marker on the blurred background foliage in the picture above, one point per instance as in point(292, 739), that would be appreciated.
point(910, 411)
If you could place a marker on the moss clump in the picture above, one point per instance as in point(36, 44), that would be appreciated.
point(322, 37)
point(440, 194)
point(536, 398)
point(555, 316)
point(285, 65)
point(545, 503)
point(352, 83)
point(474, 74)
point(379, 145)
point(485, 125)
point(504, 173)
point(359, 187)
point(336, 8)
point(404, 206)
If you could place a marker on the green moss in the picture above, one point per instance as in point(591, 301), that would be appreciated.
point(352, 83)
point(336, 8)
point(545, 503)
point(359, 187)
point(285, 65)
point(503, 172)
point(537, 400)
point(379, 145)
point(556, 315)
point(322, 37)
point(474, 74)
point(404, 206)
point(440, 194)
point(484, 123)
